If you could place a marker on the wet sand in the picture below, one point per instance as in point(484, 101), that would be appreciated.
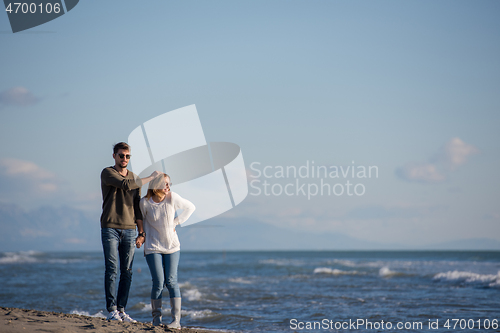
point(13, 320)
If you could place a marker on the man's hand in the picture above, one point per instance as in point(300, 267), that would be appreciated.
point(151, 177)
point(155, 174)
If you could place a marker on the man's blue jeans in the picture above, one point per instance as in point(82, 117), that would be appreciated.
point(163, 268)
point(117, 244)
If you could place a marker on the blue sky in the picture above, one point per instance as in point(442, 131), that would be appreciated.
point(412, 87)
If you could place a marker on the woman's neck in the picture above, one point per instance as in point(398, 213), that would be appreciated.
point(158, 199)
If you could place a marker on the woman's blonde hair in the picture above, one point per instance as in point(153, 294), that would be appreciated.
point(156, 186)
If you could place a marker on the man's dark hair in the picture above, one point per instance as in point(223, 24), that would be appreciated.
point(120, 145)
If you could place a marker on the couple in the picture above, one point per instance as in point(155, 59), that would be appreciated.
point(122, 211)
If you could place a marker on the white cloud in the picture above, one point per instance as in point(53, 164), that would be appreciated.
point(18, 96)
point(424, 172)
point(453, 154)
point(19, 168)
point(25, 182)
point(26, 178)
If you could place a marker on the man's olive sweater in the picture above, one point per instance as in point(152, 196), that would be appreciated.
point(121, 197)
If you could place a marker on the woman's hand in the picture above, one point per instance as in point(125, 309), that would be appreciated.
point(139, 241)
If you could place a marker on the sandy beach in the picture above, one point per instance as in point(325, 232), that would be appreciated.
point(15, 320)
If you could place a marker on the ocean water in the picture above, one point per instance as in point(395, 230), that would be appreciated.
point(279, 291)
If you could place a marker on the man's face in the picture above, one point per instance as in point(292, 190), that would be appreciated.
point(122, 157)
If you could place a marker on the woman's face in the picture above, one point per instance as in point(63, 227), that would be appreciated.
point(166, 187)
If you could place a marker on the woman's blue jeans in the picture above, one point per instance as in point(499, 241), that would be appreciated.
point(163, 268)
point(117, 243)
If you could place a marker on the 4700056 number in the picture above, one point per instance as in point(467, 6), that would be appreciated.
point(32, 8)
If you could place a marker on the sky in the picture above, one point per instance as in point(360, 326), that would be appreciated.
point(411, 88)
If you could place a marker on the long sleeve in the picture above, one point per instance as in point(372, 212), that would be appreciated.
point(142, 207)
point(120, 199)
point(159, 223)
point(186, 206)
point(111, 177)
point(137, 199)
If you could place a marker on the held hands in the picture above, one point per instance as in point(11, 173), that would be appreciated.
point(139, 241)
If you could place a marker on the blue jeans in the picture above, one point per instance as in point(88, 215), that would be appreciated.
point(118, 243)
point(163, 268)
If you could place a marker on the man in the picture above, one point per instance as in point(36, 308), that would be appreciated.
point(121, 193)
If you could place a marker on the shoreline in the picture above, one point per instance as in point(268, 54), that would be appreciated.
point(15, 320)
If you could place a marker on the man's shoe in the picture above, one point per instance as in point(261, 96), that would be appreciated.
point(126, 318)
point(114, 315)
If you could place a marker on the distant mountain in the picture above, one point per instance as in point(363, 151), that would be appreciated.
point(467, 244)
point(51, 228)
point(250, 234)
point(48, 228)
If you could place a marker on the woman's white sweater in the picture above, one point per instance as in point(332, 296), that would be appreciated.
point(159, 223)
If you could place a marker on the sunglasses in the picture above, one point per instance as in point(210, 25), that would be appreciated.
point(128, 156)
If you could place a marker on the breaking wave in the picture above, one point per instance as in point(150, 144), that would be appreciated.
point(469, 277)
point(85, 313)
point(326, 270)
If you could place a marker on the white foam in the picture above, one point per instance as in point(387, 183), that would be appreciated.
point(146, 307)
point(31, 257)
point(19, 257)
point(240, 280)
point(143, 307)
point(184, 285)
point(192, 294)
point(282, 262)
point(63, 261)
point(350, 263)
point(386, 272)
point(85, 313)
point(326, 270)
point(208, 329)
point(200, 314)
point(469, 277)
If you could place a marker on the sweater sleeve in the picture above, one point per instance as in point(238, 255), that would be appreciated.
point(113, 178)
point(137, 200)
point(142, 207)
point(186, 206)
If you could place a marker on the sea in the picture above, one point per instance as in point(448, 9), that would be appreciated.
point(299, 291)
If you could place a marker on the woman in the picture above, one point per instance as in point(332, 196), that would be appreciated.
point(161, 244)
